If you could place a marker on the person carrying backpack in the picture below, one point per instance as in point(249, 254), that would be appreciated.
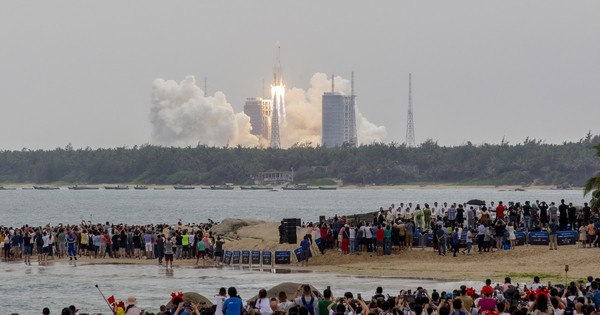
point(306, 297)
point(457, 307)
point(595, 294)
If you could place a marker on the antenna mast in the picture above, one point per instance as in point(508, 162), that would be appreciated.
point(352, 83)
point(332, 83)
point(410, 124)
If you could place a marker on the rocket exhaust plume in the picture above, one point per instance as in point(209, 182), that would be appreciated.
point(278, 101)
point(304, 112)
point(181, 115)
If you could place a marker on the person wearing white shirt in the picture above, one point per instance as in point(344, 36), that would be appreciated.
point(220, 300)
point(263, 304)
point(536, 283)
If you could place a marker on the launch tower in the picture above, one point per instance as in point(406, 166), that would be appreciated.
point(277, 101)
point(410, 124)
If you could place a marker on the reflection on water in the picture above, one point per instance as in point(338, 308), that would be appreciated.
point(61, 284)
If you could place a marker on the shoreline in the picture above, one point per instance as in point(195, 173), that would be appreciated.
point(412, 186)
point(521, 263)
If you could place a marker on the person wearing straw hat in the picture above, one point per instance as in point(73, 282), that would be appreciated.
point(131, 308)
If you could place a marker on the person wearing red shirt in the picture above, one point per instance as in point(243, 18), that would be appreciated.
point(380, 237)
point(500, 211)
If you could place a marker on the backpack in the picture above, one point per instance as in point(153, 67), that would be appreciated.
point(512, 295)
point(39, 240)
point(570, 310)
point(310, 306)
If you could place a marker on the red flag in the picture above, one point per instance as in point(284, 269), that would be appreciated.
point(111, 300)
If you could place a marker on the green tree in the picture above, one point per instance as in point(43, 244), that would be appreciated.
point(593, 185)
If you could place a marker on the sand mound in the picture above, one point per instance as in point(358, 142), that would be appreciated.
point(229, 227)
point(194, 298)
point(289, 288)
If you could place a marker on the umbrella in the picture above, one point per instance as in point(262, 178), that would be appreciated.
point(289, 288)
point(476, 202)
point(194, 298)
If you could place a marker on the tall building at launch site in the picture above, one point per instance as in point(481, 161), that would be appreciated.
point(339, 118)
point(259, 110)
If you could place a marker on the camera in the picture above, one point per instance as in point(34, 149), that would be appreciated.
point(187, 304)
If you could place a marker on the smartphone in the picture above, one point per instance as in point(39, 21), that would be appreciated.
point(358, 296)
point(329, 287)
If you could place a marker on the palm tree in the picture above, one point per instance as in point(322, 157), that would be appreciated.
point(594, 184)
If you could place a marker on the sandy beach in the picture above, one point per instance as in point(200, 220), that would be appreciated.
point(521, 264)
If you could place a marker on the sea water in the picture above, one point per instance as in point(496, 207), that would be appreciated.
point(28, 289)
point(36, 207)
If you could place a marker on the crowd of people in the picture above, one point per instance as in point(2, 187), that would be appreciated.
point(98, 241)
point(489, 227)
point(578, 298)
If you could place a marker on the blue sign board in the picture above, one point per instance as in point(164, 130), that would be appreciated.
point(283, 257)
point(227, 257)
point(318, 241)
point(255, 257)
point(236, 257)
point(539, 238)
point(520, 238)
point(266, 257)
point(245, 257)
point(566, 237)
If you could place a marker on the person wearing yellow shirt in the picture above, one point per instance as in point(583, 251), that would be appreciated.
point(185, 243)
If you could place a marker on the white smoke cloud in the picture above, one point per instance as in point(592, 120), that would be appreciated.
point(304, 114)
point(181, 115)
point(368, 132)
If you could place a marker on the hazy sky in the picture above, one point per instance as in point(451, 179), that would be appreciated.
point(81, 72)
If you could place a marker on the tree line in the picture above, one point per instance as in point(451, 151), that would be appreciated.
point(526, 163)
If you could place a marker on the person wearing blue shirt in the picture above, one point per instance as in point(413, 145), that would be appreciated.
point(17, 244)
point(305, 246)
point(441, 238)
point(233, 305)
point(455, 240)
point(71, 246)
point(595, 296)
